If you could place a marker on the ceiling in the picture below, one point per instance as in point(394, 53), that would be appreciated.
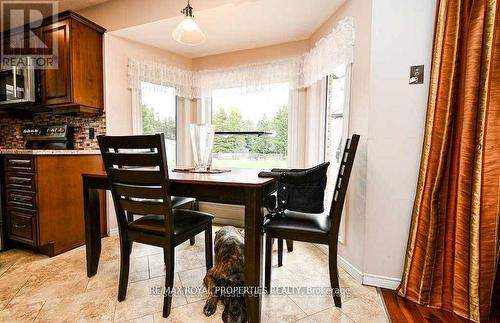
point(243, 24)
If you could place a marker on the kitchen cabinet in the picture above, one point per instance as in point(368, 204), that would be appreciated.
point(44, 200)
point(73, 82)
point(76, 85)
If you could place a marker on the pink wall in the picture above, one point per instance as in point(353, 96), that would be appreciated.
point(118, 96)
point(251, 56)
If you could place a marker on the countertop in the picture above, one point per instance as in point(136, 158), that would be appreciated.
point(48, 152)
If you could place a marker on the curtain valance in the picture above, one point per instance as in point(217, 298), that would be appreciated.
point(300, 71)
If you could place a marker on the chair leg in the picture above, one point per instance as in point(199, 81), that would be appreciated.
point(280, 252)
point(168, 257)
point(125, 247)
point(209, 258)
point(269, 247)
point(289, 245)
point(334, 275)
point(195, 206)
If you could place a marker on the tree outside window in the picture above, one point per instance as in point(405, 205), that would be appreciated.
point(240, 111)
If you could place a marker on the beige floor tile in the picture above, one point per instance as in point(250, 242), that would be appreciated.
point(54, 280)
point(140, 301)
point(141, 250)
point(362, 311)
point(190, 313)
point(192, 280)
point(327, 316)
point(31, 285)
point(97, 306)
point(280, 309)
point(10, 285)
point(185, 259)
point(20, 312)
point(110, 249)
point(108, 273)
point(145, 319)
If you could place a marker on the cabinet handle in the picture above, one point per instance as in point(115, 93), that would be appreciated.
point(17, 226)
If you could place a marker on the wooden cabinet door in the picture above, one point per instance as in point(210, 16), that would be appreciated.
point(56, 83)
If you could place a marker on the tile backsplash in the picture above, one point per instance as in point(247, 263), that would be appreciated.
point(11, 136)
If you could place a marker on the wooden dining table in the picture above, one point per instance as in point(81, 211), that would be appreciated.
point(239, 186)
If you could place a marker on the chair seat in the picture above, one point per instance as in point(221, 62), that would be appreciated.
point(180, 202)
point(184, 221)
point(300, 222)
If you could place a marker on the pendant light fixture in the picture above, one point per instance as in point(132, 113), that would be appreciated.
point(188, 32)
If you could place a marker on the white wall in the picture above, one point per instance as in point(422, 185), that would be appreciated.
point(352, 250)
point(402, 34)
point(118, 98)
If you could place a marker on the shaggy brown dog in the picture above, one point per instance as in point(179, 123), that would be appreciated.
point(227, 272)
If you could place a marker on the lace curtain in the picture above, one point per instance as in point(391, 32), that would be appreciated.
point(299, 72)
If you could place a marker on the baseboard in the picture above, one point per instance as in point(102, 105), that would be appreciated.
point(113, 232)
point(225, 214)
point(350, 269)
point(381, 281)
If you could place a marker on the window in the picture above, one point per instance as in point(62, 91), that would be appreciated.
point(237, 110)
point(158, 112)
point(335, 129)
point(337, 121)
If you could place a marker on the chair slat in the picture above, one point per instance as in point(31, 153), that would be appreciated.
point(142, 207)
point(130, 159)
point(135, 177)
point(132, 142)
point(343, 177)
point(140, 191)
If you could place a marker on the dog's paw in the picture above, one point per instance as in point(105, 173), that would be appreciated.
point(209, 309)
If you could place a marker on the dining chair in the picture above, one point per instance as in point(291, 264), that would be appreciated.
point(321, 228)
point(138, 174)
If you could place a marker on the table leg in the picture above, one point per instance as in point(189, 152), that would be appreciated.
point(91, 208)
point(253, 249)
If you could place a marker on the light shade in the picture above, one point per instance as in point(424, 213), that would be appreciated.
point(188, 32)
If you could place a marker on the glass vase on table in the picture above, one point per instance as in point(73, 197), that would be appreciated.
point(202, 142)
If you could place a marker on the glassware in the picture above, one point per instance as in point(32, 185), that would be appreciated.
point(202, 142)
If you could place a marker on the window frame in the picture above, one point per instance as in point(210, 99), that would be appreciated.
point(137, 125)
point(345, 132)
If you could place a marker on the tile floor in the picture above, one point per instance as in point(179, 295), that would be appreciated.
point(37, 288)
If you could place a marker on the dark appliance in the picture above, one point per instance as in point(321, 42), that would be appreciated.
point(20, 86)
point(51, 137)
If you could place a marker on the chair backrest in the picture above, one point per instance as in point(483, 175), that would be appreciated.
point(138, 173)
point(340, 190)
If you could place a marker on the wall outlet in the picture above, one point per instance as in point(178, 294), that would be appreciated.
point(416, 74)
point(91, 133)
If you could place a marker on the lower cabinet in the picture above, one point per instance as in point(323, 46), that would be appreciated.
point(44, 200)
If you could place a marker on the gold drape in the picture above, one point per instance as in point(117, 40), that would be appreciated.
point(454, 245)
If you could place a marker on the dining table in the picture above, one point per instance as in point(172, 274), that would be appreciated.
point(236, 187)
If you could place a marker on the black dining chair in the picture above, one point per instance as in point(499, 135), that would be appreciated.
point(322, 228)
point(138, 173)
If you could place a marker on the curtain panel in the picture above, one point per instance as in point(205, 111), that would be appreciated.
point(299, 72)
point(453, 248)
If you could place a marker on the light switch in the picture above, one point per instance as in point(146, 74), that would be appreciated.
point(416, 74)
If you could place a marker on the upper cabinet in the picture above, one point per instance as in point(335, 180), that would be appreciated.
point(76, 85)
